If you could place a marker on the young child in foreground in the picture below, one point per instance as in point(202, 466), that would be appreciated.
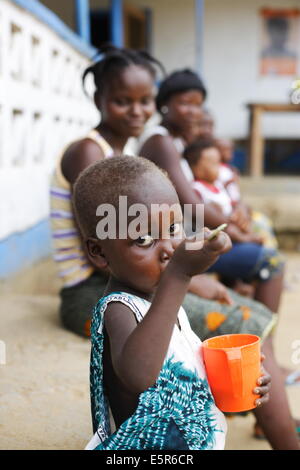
point(146, 361)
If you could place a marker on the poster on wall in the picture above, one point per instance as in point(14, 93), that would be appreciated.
point(280, 30)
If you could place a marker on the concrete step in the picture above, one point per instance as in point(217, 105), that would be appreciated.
point(279, 199)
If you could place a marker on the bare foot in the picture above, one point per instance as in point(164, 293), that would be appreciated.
point(259, 434)
point(244, 289)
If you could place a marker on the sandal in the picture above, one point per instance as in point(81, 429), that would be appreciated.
point(293, 378)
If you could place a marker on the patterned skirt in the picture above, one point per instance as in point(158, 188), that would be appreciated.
point(209, 318)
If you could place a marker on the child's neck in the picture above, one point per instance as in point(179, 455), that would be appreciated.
point(205, 181)
point(114, 285)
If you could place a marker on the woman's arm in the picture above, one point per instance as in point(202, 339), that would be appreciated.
point(79, 156)
point(162, 151)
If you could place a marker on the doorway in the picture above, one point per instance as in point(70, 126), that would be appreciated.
point(137, 27)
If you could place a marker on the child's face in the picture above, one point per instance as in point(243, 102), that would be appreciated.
point(226, 150)
point(128, 101)
point(205, 126)
point(139, 263)
point(208, 166)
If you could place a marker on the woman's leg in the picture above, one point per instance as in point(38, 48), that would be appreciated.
point(209, 318)
point(274, 417)
point(241, 262)
point(77, 303)
point(269, 292)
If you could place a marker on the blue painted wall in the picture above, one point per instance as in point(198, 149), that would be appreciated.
point(117, 28)
point(83, 20)
point(21, 250)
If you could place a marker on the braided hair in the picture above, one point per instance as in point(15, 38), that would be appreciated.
point(113, 59)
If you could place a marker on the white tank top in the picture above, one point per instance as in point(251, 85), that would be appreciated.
point(214, 193)
point(178, 142)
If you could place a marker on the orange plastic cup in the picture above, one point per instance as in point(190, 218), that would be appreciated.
point(232, 365)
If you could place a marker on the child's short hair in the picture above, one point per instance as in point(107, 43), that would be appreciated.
point(193, 152)
point(104, 181)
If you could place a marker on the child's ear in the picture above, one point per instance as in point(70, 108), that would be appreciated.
point(95, 253)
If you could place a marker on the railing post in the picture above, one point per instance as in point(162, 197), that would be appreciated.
point(117, 26)
point(256, 142)
point(83, 19)
point(199, 33)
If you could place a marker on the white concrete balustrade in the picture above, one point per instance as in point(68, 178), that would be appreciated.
point(42, 108)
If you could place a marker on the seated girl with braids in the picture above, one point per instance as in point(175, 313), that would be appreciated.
point(124, 81)
point(146, 362)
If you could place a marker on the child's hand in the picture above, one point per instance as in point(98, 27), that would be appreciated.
point(239, 236)
point(193, 257)
point(264, 385)
point(241, 217)
point(242, 288)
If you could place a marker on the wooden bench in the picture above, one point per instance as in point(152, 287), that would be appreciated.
point(256, 138)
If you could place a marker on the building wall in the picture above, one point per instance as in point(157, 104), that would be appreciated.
point(94, 4)
point(231, 45)
point(42, 109)
point(39, 96)
point(231, 49)
point(173, 34)
point(170, 17)
point(65, 9)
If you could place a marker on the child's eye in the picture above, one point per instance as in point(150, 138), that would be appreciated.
point(147, 100)
point(175, 229)
point(146, 240)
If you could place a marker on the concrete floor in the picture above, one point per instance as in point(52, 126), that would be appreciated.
point(44, 388)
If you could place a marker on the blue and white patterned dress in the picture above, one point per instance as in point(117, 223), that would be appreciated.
point(177, 412)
